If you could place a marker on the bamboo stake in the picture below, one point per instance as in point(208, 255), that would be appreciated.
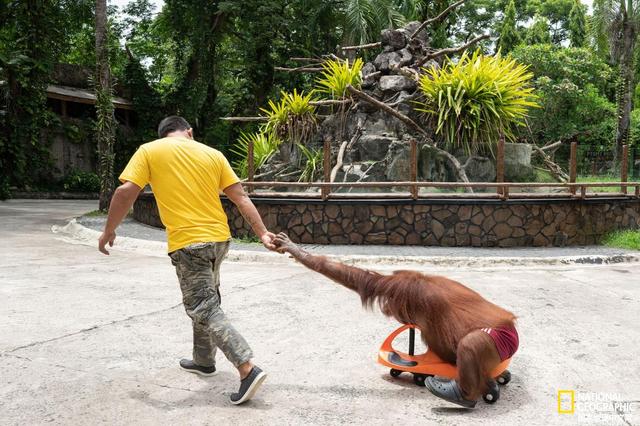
point(624, 166)
point(326, 168)
point(414, 168)
point(250, 164)
point(500, 165)
point(573, 165)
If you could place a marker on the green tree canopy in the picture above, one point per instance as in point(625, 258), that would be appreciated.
point(509, 37)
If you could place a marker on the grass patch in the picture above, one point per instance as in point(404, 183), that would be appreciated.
point(629, 239)
point(252, 239)
point(95, 213)
point(591, 178)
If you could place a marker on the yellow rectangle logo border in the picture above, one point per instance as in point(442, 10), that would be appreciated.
point(573, 401)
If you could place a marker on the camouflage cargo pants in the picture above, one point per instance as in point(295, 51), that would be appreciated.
point(198, 270)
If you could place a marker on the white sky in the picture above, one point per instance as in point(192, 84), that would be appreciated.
point(159, 3)
point(121, 3)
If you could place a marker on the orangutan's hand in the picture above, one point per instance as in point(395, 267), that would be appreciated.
point(284, 244)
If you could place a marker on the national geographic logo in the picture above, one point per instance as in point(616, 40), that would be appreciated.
point(570, 402)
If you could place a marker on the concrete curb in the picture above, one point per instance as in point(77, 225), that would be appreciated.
point(75, 233)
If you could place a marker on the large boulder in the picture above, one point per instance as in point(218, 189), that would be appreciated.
point(517, 162)
point(393, 39)
point(373, 147)
point(433, 166)
point(386, 60)
point(480, 169)
point(398, 162)
point(411, 28)
point(396, 83)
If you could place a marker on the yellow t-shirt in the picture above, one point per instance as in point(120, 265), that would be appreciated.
point(186, 177)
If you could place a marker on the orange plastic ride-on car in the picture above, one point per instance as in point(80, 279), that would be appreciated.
point(430, 364)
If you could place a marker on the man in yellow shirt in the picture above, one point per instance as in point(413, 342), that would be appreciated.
point(186, 178)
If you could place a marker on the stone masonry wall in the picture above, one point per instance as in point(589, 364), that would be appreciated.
point(478, 223)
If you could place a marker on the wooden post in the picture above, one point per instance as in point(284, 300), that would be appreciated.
point(414, 168)
point(250, 165)
point(500, 164)
point(624, 167)
point(63, 108)
point(637, 191)
point(583, 191)
point(326, 167)
point(573, 166)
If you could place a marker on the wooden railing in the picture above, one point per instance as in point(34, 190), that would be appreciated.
point(503, 190)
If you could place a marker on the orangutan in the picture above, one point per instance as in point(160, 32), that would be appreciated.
point(455, 322)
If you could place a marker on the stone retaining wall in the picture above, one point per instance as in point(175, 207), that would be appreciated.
point(478, 223)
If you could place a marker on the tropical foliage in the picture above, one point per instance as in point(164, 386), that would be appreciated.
point(337, 76)
point(312, 164)
point(472, 101)
point(265, 145)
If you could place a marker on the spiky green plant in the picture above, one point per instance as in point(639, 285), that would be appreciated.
point(264, 146)
point(471, 101)
point(292, 120)
point(337, 75)
point(312, 165)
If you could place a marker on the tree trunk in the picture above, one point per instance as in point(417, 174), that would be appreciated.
point(626, 87)
point(105, 120)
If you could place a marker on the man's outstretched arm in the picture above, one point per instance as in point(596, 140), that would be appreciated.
point(240, 198)
point(123, 198)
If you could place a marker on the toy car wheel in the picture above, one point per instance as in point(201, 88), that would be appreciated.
point(394, 372)
point(419, 379)
point(492, 394)
point(504, 378)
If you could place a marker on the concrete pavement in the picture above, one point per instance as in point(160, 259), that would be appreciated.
point(87, 338)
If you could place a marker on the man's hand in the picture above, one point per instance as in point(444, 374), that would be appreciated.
point(267, 240)
point(104, 239)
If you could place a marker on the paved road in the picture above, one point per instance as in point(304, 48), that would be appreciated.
point(86, 338)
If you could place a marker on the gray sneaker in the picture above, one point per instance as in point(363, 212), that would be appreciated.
point(248, 386)
point(448, 390)
point(191, 367)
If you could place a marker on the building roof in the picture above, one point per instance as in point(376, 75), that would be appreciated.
point(82, 96)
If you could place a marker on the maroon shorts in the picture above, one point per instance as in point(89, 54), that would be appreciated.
point(506, 340)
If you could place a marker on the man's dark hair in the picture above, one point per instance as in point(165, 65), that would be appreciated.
point(171, 124)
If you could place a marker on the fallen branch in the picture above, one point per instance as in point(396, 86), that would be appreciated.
point(303, 68)
point(362, 46)
point(381, 105)
point(451, 50)
point(551, 146)
point(312, 60)
point(552, 167)
point(438, 18)
point(343, 147)
point(331, 102)
point(387, 108)
point(244, 119)
point(335, 169)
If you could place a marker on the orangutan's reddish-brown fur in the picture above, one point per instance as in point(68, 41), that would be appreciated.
point(449, 315)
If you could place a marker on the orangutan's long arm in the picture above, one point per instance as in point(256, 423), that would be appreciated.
point(349, 276)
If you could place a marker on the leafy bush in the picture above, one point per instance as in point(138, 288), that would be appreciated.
point(568, 111)
point(79, 181)
point(470, 102)
point(580, 66)
point(264, 146)
point(337, 75)
point(293, 119)
point(312, 165)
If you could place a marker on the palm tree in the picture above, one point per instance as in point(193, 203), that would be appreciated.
point(622, 20)
point(105, 120)
point(364, 19)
